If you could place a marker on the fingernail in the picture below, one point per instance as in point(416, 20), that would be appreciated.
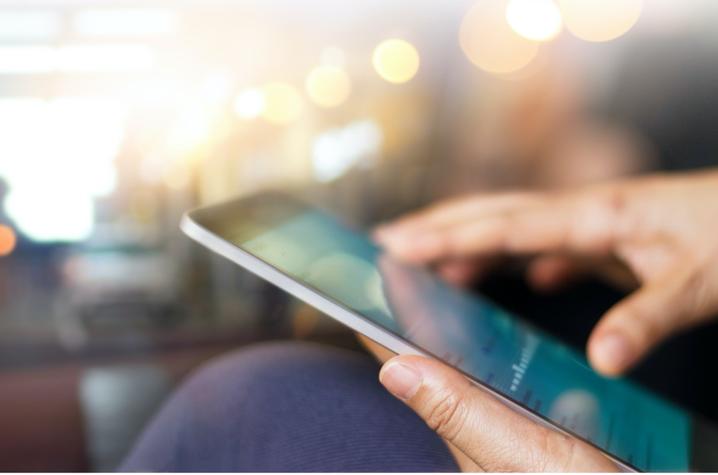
point(613, 352)
point(401, 380)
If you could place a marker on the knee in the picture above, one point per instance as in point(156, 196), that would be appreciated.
point(247, 400)
point(271, 374)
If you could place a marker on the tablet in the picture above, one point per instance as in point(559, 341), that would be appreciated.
point(339, 270)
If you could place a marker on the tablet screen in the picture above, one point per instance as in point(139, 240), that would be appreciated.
point(474, 335)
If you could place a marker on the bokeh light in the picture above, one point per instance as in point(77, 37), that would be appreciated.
point(282, 103)
point(328, 86)
point(396, 60)
point(600, 20)
point(337, 151)
point(191, 127)
point(73, 164)
point(489, 42)
point(66, 217)
point(249, 104)
point(537, 20)
point(8, 240)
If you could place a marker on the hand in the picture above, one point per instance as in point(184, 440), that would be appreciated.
point(411, 296)
point(486, 434)
point(663, 229)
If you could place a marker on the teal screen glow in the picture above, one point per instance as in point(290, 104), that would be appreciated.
point(469, 332)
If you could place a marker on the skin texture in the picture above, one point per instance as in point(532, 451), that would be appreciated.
point(658, 234)
point(484, 434)
point(503, 445)
point(660, 229)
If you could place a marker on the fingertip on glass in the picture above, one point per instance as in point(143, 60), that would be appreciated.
point(611, 353)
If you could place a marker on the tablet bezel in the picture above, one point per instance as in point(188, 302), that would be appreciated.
point(355, 321)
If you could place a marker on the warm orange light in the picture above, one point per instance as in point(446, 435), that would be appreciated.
point(328, 86)
point(600, 20)
point(395, 60)
point(537, 20)
point(249, 104)
point(489, 42)
point(282, 103)
point(8, 240)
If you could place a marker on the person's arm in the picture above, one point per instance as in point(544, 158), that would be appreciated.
point(664, 229)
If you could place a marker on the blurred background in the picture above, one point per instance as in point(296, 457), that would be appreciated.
point(118, 116)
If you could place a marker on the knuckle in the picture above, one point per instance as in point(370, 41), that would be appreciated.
point(446, 243)
point(694, 297)
point(615, 201)
point(600, 221)
point(510, 239)
point(682, 304)
point(616, 220)
point(619, 223)
point(446, 415)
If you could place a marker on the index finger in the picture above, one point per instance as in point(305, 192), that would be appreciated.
point(581, 222)
point(454, 211)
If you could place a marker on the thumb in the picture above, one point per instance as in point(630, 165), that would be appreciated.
point(489, 433)
point(647, 317)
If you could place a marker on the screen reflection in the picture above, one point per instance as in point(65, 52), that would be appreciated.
point(474, 335)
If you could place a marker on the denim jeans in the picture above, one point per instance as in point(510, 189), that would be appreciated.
point(288, 407)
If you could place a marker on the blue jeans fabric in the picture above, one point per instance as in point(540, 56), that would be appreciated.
point(288, 407)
